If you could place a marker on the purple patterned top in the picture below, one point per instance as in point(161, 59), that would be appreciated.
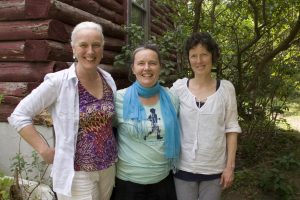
point(96, 147)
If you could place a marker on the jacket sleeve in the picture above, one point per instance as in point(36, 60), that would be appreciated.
point(34, 103)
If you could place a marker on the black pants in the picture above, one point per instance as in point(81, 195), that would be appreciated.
point(163, 190)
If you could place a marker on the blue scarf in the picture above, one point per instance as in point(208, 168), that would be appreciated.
point(134, 110)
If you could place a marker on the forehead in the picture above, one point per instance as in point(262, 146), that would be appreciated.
point(146, 54)
point(199, 47)
point(88, 34)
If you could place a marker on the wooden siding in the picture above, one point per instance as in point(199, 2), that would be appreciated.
point(35, 40)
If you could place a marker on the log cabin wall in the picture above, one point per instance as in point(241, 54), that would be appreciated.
point(35, 40)
point(160, 20)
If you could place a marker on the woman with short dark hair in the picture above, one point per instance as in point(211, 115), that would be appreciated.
point(209, 125)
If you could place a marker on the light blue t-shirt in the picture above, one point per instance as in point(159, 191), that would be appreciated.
point(141, 156)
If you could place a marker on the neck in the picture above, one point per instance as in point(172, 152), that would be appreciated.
point(146, 92)
point(86, 74)
point(203, 80)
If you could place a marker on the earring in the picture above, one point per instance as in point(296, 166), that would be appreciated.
point(75, 60)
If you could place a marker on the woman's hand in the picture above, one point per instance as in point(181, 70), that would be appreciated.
point(227, 177)
point(48, 155)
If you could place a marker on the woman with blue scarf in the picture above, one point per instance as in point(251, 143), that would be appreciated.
point(148, 132)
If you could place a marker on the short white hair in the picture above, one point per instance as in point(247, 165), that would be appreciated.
point(86, 25)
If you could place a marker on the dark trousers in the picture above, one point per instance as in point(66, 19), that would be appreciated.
point(163, 190)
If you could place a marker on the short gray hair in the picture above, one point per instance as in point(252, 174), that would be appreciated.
point(86, 25)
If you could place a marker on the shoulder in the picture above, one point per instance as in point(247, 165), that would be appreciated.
point(65, 74)
point(228, 86)
point(179, 86)
point(227, 90)
point(168, 91)
point(227, 83)
point(120, 94)
point(180, 83)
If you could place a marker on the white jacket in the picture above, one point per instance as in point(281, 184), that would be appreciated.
point(58, 93)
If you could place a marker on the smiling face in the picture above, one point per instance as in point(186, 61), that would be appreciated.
point(88, 48)
point(146, 67)
point(201, 60)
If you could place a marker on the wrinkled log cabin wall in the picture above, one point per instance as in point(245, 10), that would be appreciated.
point(35, 40)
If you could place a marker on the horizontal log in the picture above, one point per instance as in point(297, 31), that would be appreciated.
point(108, 57)
point(95, 8)
point(156, 29)
point(113, 44)
point(116, 72)
point(5, 111)
point(70, 2)
point(160, 12)
point(12, 10)
point(17, 89)
point(11, 100)
point(68, 14)
point(35, 50)
point(28, 71)
point(162, 26)
point(46, 29)
point(61, 65)
point(111, 15)
point(160, 17)
point(154, 34)
point(46, 50)
point(89, 6)
point(12, 51)
point(121, 2)
point(112, 5)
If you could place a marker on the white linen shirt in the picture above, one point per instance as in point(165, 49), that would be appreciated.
point(59, 93)
point(203, 135)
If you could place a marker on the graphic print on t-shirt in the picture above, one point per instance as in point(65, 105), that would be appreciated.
point(155, 130)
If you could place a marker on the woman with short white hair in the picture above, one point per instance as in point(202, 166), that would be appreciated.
point(80, 100)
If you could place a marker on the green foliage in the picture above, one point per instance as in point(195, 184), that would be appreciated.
point(136, 38)
point(172, 60)
point(266, 77)
point(273, 180)
point(244, 178)
point(1, 98)
point(34, 170)
point(167, 44)
point(248, 33)
point(287, 162)
point(5, 183)
point(267, 163)
point(270, 177)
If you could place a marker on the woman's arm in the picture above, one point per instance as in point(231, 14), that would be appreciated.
point(33, 137)
point(228, 173)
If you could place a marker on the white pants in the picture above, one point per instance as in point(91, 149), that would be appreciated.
point(96, 185)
